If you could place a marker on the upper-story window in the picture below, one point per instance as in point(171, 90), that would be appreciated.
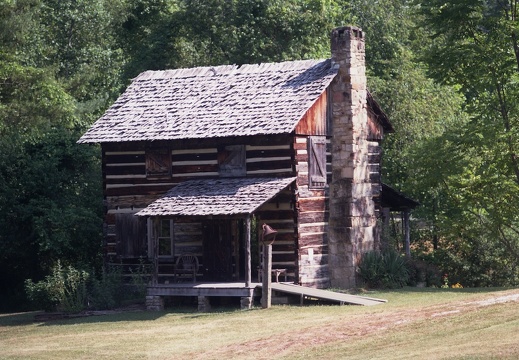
point(158, 163)
point(317, 162)
point(231, 161)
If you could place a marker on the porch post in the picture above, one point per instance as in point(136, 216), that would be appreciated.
point(266, 287)
point(248, 260)
point(407, 233)
point(155, 241)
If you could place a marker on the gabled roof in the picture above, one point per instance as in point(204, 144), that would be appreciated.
point(224, 196)
point(216, 101)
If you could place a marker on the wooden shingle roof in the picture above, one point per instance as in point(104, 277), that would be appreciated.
point(224, 196)
point(216, 101)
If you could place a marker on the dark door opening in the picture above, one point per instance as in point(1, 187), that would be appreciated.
point(218, 250)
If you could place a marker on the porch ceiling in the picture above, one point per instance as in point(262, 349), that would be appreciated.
point(223, 196)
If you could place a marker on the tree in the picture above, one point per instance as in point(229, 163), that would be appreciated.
point(176, 34)
point(474, 47)
point(50, 189)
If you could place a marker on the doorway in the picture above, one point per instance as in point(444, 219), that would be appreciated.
point(218, 245)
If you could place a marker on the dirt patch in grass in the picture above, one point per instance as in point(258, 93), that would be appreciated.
point(349, 327)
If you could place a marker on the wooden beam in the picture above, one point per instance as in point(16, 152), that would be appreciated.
point(248, 257)
point(155, 241)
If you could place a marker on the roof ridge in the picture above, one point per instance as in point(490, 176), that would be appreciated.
point(227, 69)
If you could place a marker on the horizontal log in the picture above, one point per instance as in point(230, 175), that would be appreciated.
point(138, 201)
point(313, 204)
point(272, 172)
point(284, 247)
point(318, 239)
point(125, 158)
point(180, 249)
point(374, 148)
point(187, 228)
point(124, 146)
point(187, 238)
point(374, 158)
point(270, 165)
point(276, 215)
point(313, 217)
point(301, 158)
point(189, 169)
point(280, 258)
point(265, 154)
point(195, 156)
point(125, 170)
point(375, 177)
point(138, 190)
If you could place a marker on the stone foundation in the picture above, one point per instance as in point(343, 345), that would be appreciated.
point(203, 304)
point(154, 303)
point(246, 302)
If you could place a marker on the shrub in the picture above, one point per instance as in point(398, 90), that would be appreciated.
point(421, 271)
point(65, 289)
point(107, 291)
point(386, 269)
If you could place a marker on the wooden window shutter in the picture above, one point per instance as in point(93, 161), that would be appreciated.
point(231, 160)
point(158, 163)
point(131, 235)
point(317, 162)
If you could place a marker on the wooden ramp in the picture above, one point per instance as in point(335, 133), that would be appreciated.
point(306, 292)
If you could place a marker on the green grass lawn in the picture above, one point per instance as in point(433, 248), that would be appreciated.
point(414, 324)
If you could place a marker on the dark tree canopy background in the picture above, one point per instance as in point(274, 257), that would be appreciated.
point(446, 73)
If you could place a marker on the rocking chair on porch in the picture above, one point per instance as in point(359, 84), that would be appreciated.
point(186, 266)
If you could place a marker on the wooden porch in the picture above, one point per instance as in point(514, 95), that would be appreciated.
point(205, 290)
point(231, 289)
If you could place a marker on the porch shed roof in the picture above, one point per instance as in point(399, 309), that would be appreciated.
point(223, 196)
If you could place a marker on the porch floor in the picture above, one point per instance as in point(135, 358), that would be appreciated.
point(238, 289)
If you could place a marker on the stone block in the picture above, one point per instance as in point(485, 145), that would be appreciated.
point(204, 304)
point(246, 302)
point(154, 303)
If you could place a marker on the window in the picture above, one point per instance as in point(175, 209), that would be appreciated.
point(165, 238)
point(231, 160)
point(158, 164)
point(317, 162)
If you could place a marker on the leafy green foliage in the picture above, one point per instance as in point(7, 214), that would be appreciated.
point(50, 190)
point(107, 290)
point(386, 269)
point(65, 289)
point(175, 34)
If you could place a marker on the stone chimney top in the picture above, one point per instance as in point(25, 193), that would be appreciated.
point(342, 40)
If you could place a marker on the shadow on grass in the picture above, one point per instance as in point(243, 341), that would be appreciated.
point(41, 318)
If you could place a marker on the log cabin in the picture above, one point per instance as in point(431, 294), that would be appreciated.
point(196, 160)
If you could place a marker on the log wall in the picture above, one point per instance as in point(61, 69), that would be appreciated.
point(312, 224)
point(128, 190)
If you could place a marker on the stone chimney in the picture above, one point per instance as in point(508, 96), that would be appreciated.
point(352, 219)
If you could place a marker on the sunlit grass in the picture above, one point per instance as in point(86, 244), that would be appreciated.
point(405, 327)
